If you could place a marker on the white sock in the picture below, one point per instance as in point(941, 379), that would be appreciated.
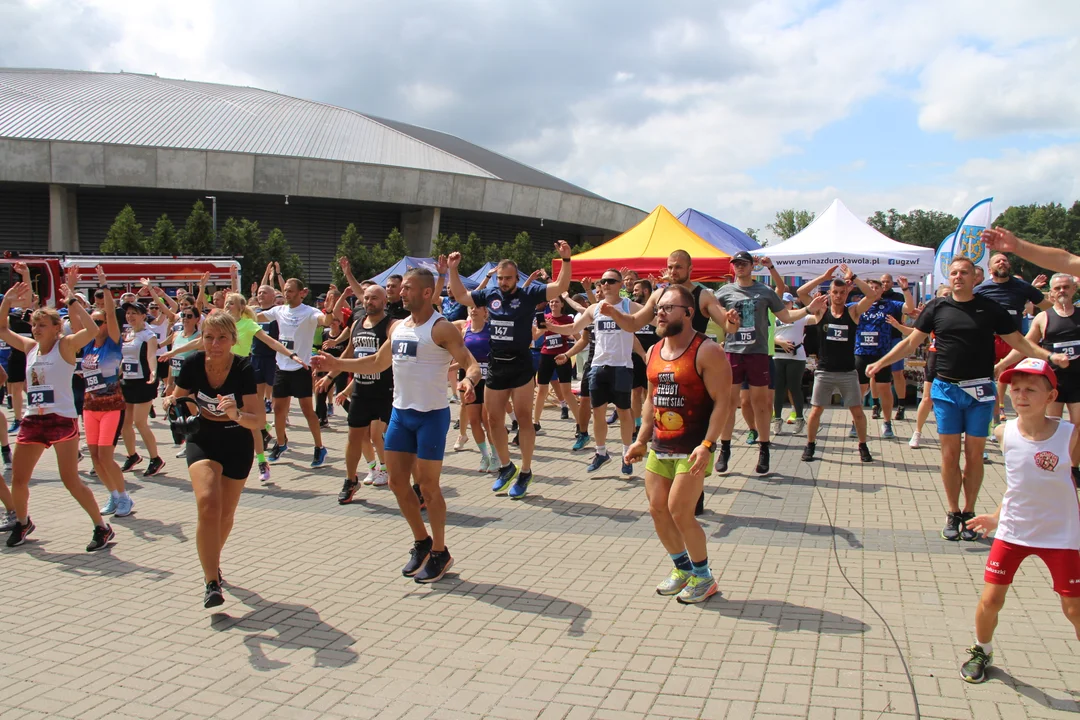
point(115, 494)
point(601, 450)
point(483, 449)
point(986, 647)
point(124, 495)
point(624, 449)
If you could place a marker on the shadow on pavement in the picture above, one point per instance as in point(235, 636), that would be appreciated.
point(731, 523)
point(1069, 704)
point(578, 508)
point(101, 562)
point(787, 617)
point(457, 519)
point(252, 487)
point(517, 600)
point(823, 484)
point(295, 627)
point(149, 529)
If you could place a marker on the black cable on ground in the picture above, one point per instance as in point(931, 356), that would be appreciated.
point(836, 557)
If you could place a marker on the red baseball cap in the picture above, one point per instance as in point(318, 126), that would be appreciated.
point(1031, 366)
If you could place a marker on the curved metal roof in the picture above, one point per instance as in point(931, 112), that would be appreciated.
point(145, 110)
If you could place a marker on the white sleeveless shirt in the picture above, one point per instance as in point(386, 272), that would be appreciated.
point(1040, 508)
point(614, 346)
point(420, 367)
point(48, 384)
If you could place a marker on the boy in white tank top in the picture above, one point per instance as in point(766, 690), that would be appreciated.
point(1039, 514)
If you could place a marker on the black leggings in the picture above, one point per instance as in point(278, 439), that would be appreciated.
point(341, 381)
point(789, 375)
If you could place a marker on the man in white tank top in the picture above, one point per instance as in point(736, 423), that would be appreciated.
point(1039, 514)
point(420, 349)
point(611, 378)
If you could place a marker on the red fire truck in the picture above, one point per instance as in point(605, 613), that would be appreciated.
point(123, 271)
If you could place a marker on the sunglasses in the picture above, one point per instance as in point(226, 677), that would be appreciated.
point(610, 281)
point(188, 316)
point(99, 323)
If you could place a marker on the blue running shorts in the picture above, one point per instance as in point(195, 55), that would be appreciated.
point(419, 433)
point(958, 412)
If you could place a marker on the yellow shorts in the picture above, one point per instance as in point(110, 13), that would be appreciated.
point(669, 468)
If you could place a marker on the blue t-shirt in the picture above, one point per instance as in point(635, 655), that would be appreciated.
point(452, 310)
point(510, 316)
point(874, 334)
point(101, 373)
point(1012, 295)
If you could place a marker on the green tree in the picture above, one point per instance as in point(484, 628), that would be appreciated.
point(388, 252)
point(520, 250)
point(352, 247)
point(888, 223)
point(925, 228)
point(278, 250)
point(243, 239)
point(198, 235)
point(125, 237)
point(548, 258)
point(790, 221)
point(164, 240)
point(1049, 224)
point(753, 233)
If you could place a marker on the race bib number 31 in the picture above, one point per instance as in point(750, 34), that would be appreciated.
point(405, 349)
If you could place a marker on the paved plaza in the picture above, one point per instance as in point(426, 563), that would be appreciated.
point(549, 611)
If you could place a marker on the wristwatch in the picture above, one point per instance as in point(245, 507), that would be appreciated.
point(708, 445)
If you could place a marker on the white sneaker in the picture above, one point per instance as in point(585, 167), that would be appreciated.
point(800, 426)
point(381, 478)
point(776, 425)
point(182, 452)
point(460, 444)
point(489, 464)
point(369, 479)
point(915, 438)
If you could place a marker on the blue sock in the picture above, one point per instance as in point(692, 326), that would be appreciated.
point(682, 561)
point(701, 569)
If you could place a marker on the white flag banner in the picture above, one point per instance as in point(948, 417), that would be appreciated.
point(967, 240)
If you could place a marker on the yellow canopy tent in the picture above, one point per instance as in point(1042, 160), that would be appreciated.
point(645, 247)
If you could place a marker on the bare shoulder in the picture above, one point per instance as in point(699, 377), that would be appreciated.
point(445, 332)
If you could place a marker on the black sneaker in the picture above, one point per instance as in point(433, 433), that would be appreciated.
point(267, 439)
point(899, 413)
point(876, 413)
point(516, 441)
point(420, 497)
point(722, 461)
point(132, 461)
point(418, 556)
point(808, 452)
point(347, 491)
point(974, 670)
point(951, 531)
point(102, 537)
point(513, 426)
point(277, 451)
point(699, 509)
point(763, 460)
point(966, 533)
point(1075, 474)
point(153, 413)
point(19, 533)
point(565, 414)
point(154, 467)
point(437, 565)
point(5, 455)
point(536, 429)
point(864, 453)
point(324, 423)
point(213, 596)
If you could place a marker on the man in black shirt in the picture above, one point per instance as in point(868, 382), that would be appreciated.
point(899, 381)
point(395, 308)
point(963, 390)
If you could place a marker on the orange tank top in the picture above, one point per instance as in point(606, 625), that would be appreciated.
point(681, 404)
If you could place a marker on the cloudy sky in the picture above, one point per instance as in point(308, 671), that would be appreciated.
point(736, 108)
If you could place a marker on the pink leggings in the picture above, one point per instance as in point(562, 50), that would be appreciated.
point(103, 426)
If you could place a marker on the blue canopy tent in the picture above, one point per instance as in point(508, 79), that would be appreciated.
point(478, 277)
point(718, 234)
point(408, 263)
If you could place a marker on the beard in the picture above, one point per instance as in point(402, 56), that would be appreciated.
point(670, 328)
point(1001, 273)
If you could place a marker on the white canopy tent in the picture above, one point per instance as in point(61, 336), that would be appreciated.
point(838, 237)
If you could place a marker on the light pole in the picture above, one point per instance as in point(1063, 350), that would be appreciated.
point(213, 211)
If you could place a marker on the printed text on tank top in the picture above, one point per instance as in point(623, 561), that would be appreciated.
point(134, 350)
point(420, 366)
point(682, 405)
point(48, 383)
point(367, 338)
point(1062, 335)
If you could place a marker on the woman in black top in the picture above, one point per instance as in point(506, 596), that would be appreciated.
point(221, 452)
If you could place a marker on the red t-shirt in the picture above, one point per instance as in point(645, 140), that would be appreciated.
point(554, 344)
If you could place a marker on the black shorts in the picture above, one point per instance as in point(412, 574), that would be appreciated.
point(137, 392)
point(293, 383)
point(585, 389)
point(883, 376)
point(549, 368)
point(507, 372)
point(78, 389)
point(163, 369)
point(231, 447)
point(641, 379)
point(611, 384)
point(931, 366)
point(479, 389)
point(364, 408)
point(265, 367)
point(16, 368)
point(1068, 389)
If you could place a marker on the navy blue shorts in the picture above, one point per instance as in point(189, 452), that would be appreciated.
point(422, 434)
point(265, 367)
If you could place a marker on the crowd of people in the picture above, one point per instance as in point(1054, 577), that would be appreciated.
point(674, 359)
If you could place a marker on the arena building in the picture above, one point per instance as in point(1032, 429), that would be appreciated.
point(75, 147)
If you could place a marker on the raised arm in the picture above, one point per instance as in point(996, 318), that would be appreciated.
point(803, 293)
point(909, 301)
point(276, 346)
point(583, 321)
point(637, 318)
point(453, 261)
point(17, 293)
point(562, 283)
point(369, 364)
point(778, 281)
point(1055, 259)
point(70, 344)
point(200, 298)
point(789, 316)
point(569, 302)
point(110, 305)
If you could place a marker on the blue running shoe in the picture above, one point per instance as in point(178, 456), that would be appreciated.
point(277, 451)
point(505, 477)
point(320, 457)
point(110, 507)
point(853, 432)
point(124, 506)
point(14, 426)
point(520, 486)
point(627, 471)
point(598, 461)
point(581, 441)
point(887, 431)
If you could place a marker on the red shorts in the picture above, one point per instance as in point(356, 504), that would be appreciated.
point(752, 369)
point(1001, 349)
point(47, 429)
point(1064, 565)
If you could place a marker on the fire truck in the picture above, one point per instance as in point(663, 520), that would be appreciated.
point(123, 271)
